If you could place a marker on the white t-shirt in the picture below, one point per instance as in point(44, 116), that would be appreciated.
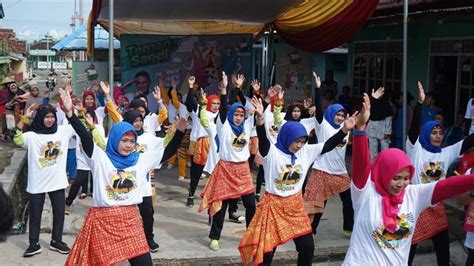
point(232, 148)
point(370, 244)
point(150, 123)
point(146, 142)
point(100, 113)
point(113, 187)
point(47, 155)
point(332, 162)
point(80, 156)
point(281, 177)
point(270, 127)
point(429, 166)
point(182, 111)
point(197, 130)
point(470, 114)
point(212, 156)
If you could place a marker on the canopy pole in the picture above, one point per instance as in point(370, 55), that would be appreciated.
point(111, 44)
point(404, 72)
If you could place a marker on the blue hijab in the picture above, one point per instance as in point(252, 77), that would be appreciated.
point(289, 132)
point(116, 133)
point(230, 117)
point(331, 113)
point(425, 136)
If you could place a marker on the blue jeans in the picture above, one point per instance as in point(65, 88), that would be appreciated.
point(71, 164)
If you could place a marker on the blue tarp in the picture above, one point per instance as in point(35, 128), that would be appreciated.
point(77, 40)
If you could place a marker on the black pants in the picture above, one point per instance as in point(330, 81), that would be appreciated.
point(81, 178)
point(218, 219)
point(305, 247)
point(36, 209)
point(441, 246)
point(196, 172)
point(144, 259)
point(146, 212)
point(347, 213)
point(260, 179)
point(87, 185)
point(470, 257)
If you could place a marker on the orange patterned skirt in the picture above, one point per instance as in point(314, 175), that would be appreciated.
point(321, 186)
point(431, 222)
point(201, 150)
point(276, 221)
point(228, 180)
point(109, 235)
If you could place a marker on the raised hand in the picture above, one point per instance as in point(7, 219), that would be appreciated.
point(364, 115)
point(224, 83)
point(105, 87)
point(255, 85)
point(257, 103)
point(317, 80)
point(78, 105)
point(182, 124)
point(89, 120)
point(174, 83)
point(191, 81)
point(421, 93)
point(67, 101)
point(377, 94)
point(30, 110)
point(350, 121)
point(281, 94)
point(239, 81)
point(157, 93)
point(46, 94)
point(203, 94)
point(170, 129)
point(312, 110)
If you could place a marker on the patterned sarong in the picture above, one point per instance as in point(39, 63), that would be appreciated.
point(320, 187)
point(431, 222)
point(201, 150)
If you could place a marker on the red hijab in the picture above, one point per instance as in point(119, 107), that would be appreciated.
point(210, 99)
point(84, 95)
point(386, 165)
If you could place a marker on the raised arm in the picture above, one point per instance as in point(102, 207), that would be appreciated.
point(191, 101)
point(318, 100)
point(263, 142)
point(173, 145)
point(109, 104)
point(162, 111)
point(360, 148)
point(223, 91)
point(455, 185)
point(417, 115)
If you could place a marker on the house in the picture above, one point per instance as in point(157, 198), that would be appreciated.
point(12, 56)
point(40, 55)
point(440, 51)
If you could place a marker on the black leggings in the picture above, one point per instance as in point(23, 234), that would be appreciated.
point(470, 257)
point(144, 259)
point(260, 179)
point(196, 172)
point(146, 212)
point(218, 219)
point(347, 213)
point(441, 246)
point(81, 178)
point(36, 203)
point(305, 247)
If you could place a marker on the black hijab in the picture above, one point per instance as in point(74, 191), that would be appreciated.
point(38, 126)
point(131, 116)
point(289, 111)
point(139, 103)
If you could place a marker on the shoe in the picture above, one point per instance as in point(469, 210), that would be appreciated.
point(153, 246)
point(236, 218)
point(59, 246)
point(190, 202)
point(32, 250)
point(169, 166)
point(181, 178)
point(83, 196)
point(67, 209)
point(346, 233)
point(202, 177)
point(257, 198)
point(214, 245)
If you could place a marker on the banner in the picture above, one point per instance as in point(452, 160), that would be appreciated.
point(164, 58)
point(87, 74)
point(293, 72)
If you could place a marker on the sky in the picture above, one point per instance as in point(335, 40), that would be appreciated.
point(32, 19)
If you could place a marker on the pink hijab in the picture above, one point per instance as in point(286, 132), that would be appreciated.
point(388, 163)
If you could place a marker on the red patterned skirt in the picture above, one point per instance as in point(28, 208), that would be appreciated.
point(321, 186)
point(276, 221)
point(201, 150)
point(431, 222)
point(228, 180)
point(109, 235)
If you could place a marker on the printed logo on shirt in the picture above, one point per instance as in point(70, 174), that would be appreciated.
point(238, 143)
point(49, 153)
point(385, 239)
point(290, 176)
point(121, 183)
point(141, 148)
point(432, 171)
point(341, 144)
point(273, 130)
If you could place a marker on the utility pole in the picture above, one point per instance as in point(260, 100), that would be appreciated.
point(47, 49)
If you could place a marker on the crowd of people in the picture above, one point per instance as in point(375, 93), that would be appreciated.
point(110, 143)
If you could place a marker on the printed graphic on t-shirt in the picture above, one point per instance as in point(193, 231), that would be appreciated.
point(141, 148)
point(49, 153)
point(238, 143)
point(385, 239)
point(432, 171)
point(273, 130)
point(290, 176)
point(341, 144)
point(121, 183)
